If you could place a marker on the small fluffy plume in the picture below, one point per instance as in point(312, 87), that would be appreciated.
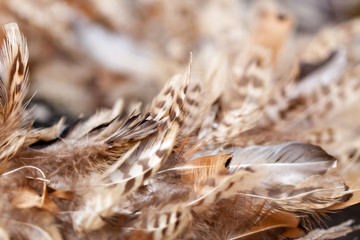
point(244, 143)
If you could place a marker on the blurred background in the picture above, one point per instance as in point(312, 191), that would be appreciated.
point(86, 54)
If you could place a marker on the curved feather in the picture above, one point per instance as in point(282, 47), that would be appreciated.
point(13, 86)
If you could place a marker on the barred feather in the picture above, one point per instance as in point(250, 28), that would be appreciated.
point(14, 78)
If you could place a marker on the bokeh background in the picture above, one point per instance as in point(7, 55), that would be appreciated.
point(85, 54)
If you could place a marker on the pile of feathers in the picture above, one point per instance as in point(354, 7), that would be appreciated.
point(242, 144)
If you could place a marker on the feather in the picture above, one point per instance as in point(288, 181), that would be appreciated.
point(123, 182)
point(13, 85)
point(13, 72)
point(275, 220)
point(289, 174)
point(329, 39)
point(331, 233)
point(172, 97)
point(164, 224)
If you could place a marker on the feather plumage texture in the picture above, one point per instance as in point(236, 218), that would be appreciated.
point(14, 76)
point(235, 164)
